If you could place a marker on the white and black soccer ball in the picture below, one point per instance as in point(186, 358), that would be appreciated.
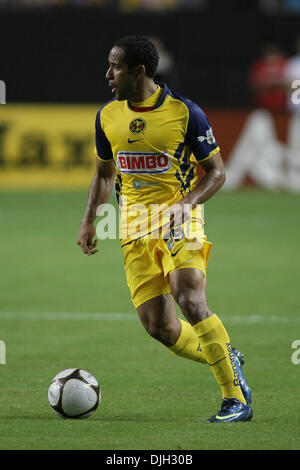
point(74, 393)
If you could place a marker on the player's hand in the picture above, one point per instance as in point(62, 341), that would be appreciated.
point(86, 239)
point(179, 213)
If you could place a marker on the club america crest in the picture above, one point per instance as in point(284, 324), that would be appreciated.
point(137, 126)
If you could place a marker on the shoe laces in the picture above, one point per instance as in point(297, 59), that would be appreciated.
point(227, 404)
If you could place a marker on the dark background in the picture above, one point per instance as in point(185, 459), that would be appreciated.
point(60, 54)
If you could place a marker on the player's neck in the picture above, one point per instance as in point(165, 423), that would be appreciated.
point(147, 89)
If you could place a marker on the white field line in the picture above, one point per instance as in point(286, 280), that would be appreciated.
point(67, 316)
point(64, 316)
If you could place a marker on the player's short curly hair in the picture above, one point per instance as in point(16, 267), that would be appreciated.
point(139, 50)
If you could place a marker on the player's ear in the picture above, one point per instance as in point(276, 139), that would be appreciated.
point(141, 70)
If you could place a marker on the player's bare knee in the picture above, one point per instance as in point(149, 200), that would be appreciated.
point(165, 333)
point(193, 305)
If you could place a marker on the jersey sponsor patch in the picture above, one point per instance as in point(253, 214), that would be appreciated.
point(209, 137)
point(137, 162)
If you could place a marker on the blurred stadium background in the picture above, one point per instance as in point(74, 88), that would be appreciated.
point(238, 60)
point(231, 57)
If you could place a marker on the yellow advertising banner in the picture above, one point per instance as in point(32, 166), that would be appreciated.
point(47, 145)
point(52, 146)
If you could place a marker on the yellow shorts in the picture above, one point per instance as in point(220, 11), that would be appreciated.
point(148, 263)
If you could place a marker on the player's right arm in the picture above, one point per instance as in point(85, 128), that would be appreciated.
point(100, 192)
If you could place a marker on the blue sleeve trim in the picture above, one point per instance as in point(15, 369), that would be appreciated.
point(199, 134)
point(103, 147)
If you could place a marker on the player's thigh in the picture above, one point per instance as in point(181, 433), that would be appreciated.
point(159, 317)
point(188, 288)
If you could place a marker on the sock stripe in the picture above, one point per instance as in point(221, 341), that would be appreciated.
point(211, 365)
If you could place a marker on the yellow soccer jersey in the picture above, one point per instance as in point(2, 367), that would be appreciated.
point(155, 146)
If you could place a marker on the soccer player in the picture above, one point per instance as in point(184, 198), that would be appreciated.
point(149, 142)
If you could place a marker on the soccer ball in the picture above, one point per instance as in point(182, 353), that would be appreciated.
point(74, 393)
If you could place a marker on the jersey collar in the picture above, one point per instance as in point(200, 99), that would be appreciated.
point(161, 99)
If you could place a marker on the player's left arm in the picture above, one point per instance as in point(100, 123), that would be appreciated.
point(200, 138)
point(211, 182)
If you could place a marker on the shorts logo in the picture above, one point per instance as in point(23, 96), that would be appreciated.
point(137, 162)
point(137, 126)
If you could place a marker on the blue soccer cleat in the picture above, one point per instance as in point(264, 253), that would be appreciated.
point(239, 362)
point(232, 411)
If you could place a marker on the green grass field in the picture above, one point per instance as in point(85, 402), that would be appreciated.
point(150, 398)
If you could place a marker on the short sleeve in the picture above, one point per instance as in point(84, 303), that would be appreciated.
point(103, 148)
point(199, 134)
